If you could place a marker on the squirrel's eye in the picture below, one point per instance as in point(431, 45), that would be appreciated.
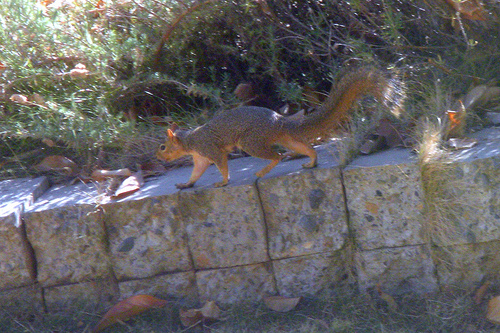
point(162, 147)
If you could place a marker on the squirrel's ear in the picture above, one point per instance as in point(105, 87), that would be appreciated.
point(174, 127)
point(172, 137)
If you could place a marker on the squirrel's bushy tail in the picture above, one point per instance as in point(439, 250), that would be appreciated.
point(335, 110)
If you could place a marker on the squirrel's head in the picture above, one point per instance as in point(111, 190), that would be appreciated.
point(172, 148)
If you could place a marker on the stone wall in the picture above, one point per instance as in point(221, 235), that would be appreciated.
point(294, 232)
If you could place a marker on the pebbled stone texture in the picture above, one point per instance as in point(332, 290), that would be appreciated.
point(22, 300)
point(69, 245)
point(178, 287)
point(16, 259)
point(397, 270)
point(146, 237)
point(214, 244)
point(473, 190)
point(237, 284)
point(385, 205)
point(309, 275)
point(468, 266)
point(92, 295)
point(224, 225)
point(16, 263)
point(305, 213)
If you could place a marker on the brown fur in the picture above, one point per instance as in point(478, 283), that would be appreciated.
point(256, 130)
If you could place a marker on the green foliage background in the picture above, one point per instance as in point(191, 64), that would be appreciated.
point(280, 46)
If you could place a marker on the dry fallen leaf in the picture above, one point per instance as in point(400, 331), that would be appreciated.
point(79, 72)
point(493, 313)
point(190, 317)
point(391, 302)
point(48, 142)
point(100, 175)
point(479, 294)
point(372, 144)
point(130, 185)
point(281, 304)
point(469, 9)
point(57, 163)
point(38, 100)
point(20, 99)
point(127, 309)
point(209, 312)
point(388, 130)
point(456, 119)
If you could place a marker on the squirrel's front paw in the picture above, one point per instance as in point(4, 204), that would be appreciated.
point(310, 165)
point(180, 186)
point(220, 184)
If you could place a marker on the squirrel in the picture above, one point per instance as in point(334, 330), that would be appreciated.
point(256, 130)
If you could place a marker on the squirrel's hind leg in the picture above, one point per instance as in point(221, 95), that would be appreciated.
point(268, 168)
point(262, 149)
point(303, 149)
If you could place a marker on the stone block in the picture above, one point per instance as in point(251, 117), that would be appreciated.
point(385, 204)
point(237, 284)
point(93, 296)
point(69, 244)
point(146, 237)
point(22, 300)
point(176, 286)
point(18, 194)
point(472, 189)
point(305, 212)
point(225, 226)
point(16, 261)
point(400, 270)
point(467, 266)
point(308, 275)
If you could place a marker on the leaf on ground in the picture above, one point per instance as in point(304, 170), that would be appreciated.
point(79, 72)
point(100, 175)
point(456, 122)
point(59, 164)
point(127, 309)
point(281, 303)
point(389, 300)
point(493, 313)
point(479, 294)
point(469, 9)
point(130, 185)
point(20, 99)
point(48, 142)
point(388, 130)
point(372, 144)
point(192, 317)
point(37, 99)
point(386, 135)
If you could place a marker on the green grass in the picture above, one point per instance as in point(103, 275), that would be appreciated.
point(346, 311)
